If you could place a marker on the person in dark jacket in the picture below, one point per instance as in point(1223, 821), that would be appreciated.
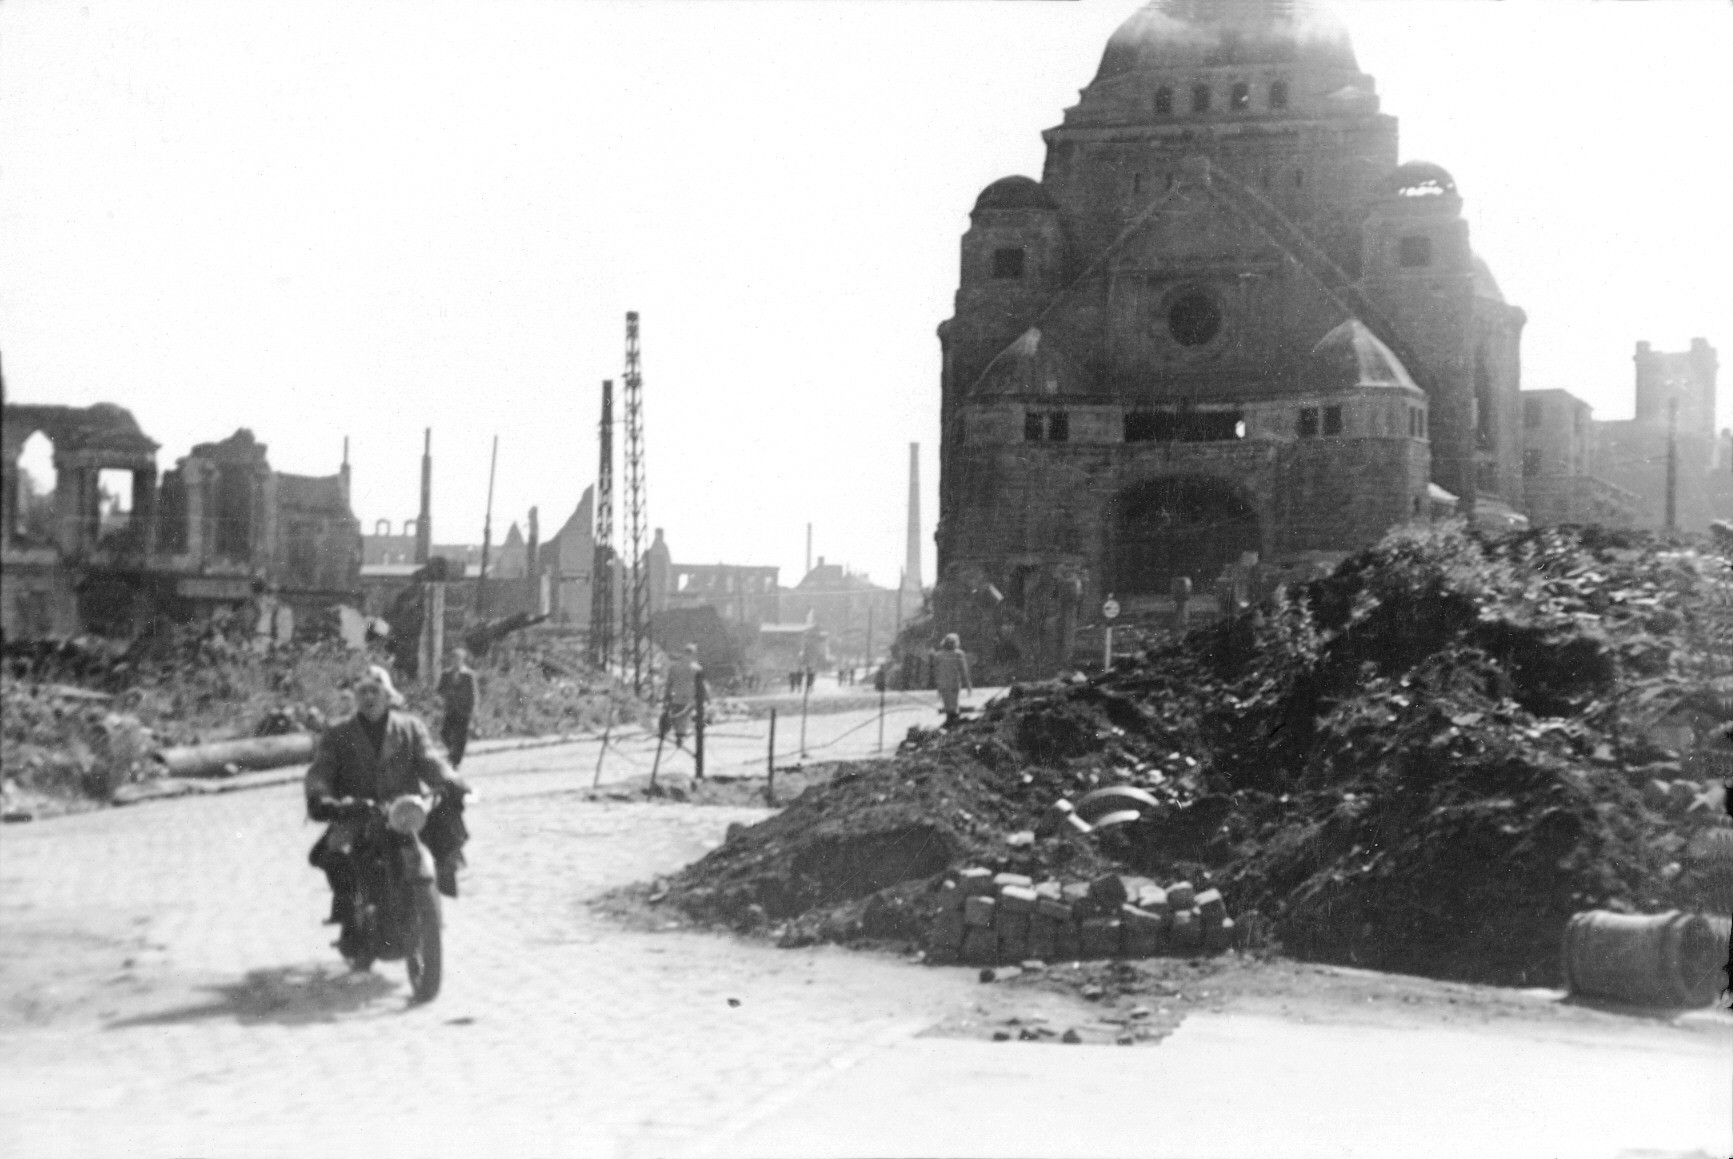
point(458, 694)
point(374, 756)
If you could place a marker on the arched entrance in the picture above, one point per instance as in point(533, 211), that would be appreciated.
point(1190, 525)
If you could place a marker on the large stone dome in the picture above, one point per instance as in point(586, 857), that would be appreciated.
point(1214, 33)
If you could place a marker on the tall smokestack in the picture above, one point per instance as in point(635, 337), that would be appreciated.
point(424, 524)
point(808, 550)
point(912, 562)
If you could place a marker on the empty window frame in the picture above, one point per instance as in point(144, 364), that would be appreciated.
point(1164, 101)
point(1414, 251)
point(1034, 429)
point(1279, 94)
point(1211, 426)
point(1308, 425)
point(1332, 420)
point(1240, 97)
point(1058, 427)
point(1200, 98)
point(1008, 262)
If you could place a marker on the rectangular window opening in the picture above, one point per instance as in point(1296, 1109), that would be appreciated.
point(1308, 427)
point(1008, 262)
point(1033, 428)
point(1241, 97)
point(1200, 99)
point(1279, 94)
point(1059, 427)
point(1332, 420)
point(1162, 426)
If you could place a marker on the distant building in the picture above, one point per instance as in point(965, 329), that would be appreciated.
point(105, 546)
point(856, 616)
point(1559, 481)
point(1674, 392)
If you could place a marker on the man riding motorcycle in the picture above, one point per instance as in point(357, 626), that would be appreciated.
point(374, 756)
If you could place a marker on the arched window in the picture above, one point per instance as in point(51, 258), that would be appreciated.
point(1240, 97)
point(1164, 101)
point(1279, 94)
point(1200, 98)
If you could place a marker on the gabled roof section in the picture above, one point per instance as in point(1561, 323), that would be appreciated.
point(1200, 175)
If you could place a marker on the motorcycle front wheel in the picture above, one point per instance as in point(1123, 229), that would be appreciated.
point(424, 957)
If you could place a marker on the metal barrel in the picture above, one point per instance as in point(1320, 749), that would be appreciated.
point(1671, 959)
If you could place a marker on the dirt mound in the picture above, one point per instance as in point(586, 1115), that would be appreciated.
point(1424, 762)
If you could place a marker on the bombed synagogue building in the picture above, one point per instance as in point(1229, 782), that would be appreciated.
point(1226, 330)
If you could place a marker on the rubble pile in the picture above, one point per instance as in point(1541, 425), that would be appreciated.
point(1425, 762)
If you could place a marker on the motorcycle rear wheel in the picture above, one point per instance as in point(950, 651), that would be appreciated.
point(425, 958)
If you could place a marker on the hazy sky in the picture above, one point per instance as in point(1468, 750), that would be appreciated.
point(361, 219)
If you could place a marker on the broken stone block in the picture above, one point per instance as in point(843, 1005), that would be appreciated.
point(1218, 938)
point(1075, 826)
point(1108, 892)
point(1017, 899)
point(1050, 890)
point(1002, 880)
point(1065, 941)
point(1099, 938)
point(1043, 937)
point(1211, 908)
point(978, 911)
point(1008, 924)
point(975, 882)
point(980, 946)
point(1000, 973)
point(1013, 947)
point(950, 897)
point(1076, 895)
point(1181, 895)
point(1053, 819)
point(1059, 911)
point(1154, 899)
point(1187, 929)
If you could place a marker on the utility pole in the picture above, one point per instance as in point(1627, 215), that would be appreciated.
point(602, 564)
point(1672, 464)
point(486, 533)
point(638, 579)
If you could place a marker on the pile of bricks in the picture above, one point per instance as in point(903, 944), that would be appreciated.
point(987, 919)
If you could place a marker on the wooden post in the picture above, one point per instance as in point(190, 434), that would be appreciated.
point(770, 763)
point(699, 697)
point(805, 694)
point(883, 679)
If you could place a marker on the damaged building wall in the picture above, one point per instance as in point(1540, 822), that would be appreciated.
point(195, 542)
point(1226, 321)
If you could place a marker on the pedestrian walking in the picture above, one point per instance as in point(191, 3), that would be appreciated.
point(951, 675)
point(680, 693)
point(458, 694)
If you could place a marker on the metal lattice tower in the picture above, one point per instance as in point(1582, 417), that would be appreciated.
point(637, 641)
point(602, 565)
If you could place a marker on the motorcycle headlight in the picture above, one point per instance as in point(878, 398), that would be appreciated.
point(407, 815)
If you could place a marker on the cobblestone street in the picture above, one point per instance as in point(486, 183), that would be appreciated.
point(170, 991)
point(197, 1009)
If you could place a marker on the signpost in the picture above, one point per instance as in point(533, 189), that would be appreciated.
point(1109, 612)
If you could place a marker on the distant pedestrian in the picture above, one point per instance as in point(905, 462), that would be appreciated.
point(951, 675)
point(458, 693)
point(680, 694)
point(811, 677)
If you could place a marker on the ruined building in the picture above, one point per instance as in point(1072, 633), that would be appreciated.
point(1675, 401)
point(1225, 323)
point(106, 546)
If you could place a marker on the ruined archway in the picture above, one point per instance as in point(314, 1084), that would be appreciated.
point(1185, 526)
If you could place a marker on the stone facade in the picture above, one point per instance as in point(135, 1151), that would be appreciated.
point(1674, 392)
point(1224, 322)
point(218, 525)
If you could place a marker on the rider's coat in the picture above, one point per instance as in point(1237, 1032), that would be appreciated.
point(346, 764)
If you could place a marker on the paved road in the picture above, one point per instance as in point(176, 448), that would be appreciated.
point(169, 991)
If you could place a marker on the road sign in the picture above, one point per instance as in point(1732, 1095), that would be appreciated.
point(1110, 609)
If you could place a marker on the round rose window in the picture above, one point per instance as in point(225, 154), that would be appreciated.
point(1194, 319)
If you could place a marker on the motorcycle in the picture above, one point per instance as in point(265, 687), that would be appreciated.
point(394, 905)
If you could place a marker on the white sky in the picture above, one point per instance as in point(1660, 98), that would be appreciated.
point(319, 220)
